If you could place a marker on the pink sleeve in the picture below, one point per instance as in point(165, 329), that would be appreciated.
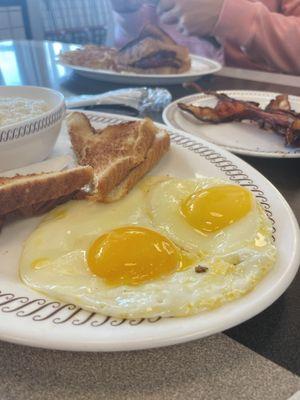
point(290, 7)
point(266, 37)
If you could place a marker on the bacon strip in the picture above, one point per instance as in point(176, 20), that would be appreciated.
point(277, 116)
point(281, 102)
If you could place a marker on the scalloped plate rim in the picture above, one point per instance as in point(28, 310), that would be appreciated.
point(168, 118)
point(135, 78)
point(183, 332)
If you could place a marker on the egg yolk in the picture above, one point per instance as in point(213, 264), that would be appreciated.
point(212, 209)
point(132, 255)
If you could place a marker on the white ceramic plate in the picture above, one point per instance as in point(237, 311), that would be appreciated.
point(200, 66)
point(28, 317)
point(240, 138)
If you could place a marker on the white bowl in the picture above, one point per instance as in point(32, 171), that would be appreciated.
point(31, 140)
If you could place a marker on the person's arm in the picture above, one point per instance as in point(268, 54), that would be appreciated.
point(266, 37)
point(191, 17)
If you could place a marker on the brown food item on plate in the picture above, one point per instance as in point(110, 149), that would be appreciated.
point(120, 154)
point(34, 194)
point(91, 56)
point(281, 102)
point(159, 147)
point(154, 52)
point(277, 116)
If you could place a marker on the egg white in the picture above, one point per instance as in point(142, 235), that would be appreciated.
point(54, 256)
point(164, 201)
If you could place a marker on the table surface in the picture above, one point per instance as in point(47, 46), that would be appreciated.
point(275, 333)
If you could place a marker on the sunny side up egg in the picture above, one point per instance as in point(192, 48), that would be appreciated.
point(171, 247)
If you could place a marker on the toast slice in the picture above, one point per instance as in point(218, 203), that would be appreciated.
point(36, 193)
point(113, 151)
point(159, 147)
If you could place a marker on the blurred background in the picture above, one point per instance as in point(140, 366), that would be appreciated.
point(69, 21)
point(58, 22)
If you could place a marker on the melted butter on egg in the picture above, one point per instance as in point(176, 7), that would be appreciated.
point(133, 255)
point(212, 209)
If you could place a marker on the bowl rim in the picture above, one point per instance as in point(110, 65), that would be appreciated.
point(53, 110)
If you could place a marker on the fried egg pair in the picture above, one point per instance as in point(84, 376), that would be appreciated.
point(172, 247)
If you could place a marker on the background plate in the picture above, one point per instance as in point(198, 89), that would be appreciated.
point(200, 66)
point(28, 317)
point(240, 138)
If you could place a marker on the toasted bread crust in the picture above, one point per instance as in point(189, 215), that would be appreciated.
point(149, 31)
point(159, 147)
point(152, 41)
point(81, 132)
point(30, 193)
point(39, 208)
point(112, 151)
point(156, 32)
point(148, 47)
